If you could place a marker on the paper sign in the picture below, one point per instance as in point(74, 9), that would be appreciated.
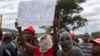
point(36, 13)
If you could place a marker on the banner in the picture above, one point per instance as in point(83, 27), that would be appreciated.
point(36, 13)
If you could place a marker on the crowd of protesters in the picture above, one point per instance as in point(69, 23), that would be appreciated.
point(56, 43)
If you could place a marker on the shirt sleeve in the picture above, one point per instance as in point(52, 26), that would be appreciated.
point(79, 52)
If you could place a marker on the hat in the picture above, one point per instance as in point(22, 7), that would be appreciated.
point(31, 29)
point(97, 40)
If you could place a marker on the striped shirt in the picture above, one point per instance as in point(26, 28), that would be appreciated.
point(86, 48)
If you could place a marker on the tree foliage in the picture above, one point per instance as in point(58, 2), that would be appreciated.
point(96, 34)
point(68, 12)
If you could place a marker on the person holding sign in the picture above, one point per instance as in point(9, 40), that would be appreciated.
point(29, 34)
point(45, 44)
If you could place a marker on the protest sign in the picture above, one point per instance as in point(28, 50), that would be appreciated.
point(36, 13)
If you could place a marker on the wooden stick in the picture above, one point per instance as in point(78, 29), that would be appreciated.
point(55, 38)
point(0, 21)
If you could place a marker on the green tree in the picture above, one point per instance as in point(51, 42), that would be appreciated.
point(68, 12)
point(96, 34)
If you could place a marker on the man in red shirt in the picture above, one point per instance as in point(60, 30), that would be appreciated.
point(45, 44)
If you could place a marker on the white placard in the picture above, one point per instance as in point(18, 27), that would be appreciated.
point(36, 13)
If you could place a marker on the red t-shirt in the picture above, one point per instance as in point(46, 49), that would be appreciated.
point(36, 52)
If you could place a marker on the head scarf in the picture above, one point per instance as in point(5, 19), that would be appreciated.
point(64, 43)
point(46, 43)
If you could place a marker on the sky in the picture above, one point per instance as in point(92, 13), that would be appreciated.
point(9, 9)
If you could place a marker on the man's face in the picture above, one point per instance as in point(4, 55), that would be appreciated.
point(28, 35)
point(65, 42)
point(96, 48)
point(86, 37)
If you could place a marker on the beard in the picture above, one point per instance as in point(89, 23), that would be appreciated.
point(28, 38)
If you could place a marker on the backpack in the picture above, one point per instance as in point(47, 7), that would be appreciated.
point(9, 51)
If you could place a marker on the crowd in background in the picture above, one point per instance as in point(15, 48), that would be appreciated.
point(57, 43)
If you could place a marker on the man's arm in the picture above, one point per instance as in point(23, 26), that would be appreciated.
point(49, 29)
point(55, 37)
point(28, 46)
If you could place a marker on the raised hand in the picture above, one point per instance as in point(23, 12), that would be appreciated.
point(16, 25)
point(56, 21)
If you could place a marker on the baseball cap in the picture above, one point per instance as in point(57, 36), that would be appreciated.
point(97, 40)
